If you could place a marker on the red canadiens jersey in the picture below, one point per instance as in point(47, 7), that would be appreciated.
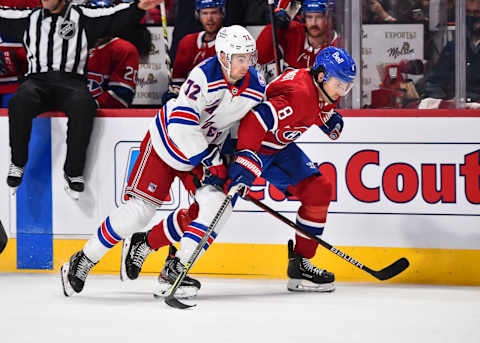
point(292, 105)
point(13, 63)
point(112, 73)
point(191, 51)
point(297, 52)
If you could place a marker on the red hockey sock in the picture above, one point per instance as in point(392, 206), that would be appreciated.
point(305, 246)
point(170, 230)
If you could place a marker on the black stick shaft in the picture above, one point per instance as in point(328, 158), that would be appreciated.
point(271, 6)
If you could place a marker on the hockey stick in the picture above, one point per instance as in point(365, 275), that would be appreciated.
point(168, 62)
point(170, 299)
point(271, 6)
point(386, 273)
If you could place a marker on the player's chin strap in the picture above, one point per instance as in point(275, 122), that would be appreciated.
point(320, 85)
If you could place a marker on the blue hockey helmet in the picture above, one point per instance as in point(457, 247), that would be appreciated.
point(335, 63)
point(101, 3)
point(315, 6)
point(202, 4)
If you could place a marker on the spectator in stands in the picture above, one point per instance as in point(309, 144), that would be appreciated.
point(375, 11)
point(299, 42)
point(440, 83)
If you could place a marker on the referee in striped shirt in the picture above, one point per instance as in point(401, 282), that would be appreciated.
point(57, 37)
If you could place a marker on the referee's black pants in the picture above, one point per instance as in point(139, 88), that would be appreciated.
point(47, 92)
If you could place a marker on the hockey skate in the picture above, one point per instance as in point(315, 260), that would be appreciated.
point(74, 273)
point(74, 186)
point(14, 177)
point(173, 267)
point(304, 276)
point(135, 250)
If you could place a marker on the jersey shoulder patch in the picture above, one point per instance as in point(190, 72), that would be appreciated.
point(257, 81)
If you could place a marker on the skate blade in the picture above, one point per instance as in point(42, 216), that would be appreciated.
point(67, 289)
point(123, 267)
point(298, 285)
point(71, 193)
point(161, 291)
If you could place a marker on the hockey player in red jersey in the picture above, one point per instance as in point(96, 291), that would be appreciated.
point(13, 57)
point(196, 47)
point(112, 69)
point(13, 63)
point(112, 72)
point(295, 101)
point(299, 42)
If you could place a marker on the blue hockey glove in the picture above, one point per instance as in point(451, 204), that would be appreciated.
point(282, 19)
point(246, 167)
point(214, 171)
point(333, 126)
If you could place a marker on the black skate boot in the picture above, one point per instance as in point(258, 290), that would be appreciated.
point(74, 185)
point(15, 176)
point(304, 276)
point(75, 272)
point(135, 250)
point(173, 267)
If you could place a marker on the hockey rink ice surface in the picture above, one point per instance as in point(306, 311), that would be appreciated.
point(34, 309)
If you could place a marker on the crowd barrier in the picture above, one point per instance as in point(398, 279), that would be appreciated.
point(406, 184)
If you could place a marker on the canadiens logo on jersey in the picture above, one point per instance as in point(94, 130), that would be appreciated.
point(96, 83)
point(287, 134)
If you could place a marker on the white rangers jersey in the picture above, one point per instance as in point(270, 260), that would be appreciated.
point(205, 110)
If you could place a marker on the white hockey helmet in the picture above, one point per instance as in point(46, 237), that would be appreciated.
point(234, 39)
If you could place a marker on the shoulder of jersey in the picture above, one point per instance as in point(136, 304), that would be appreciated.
point(292, 82)
point(191, 38)
point(122, 43)
point(257, 81)
point(212, 70)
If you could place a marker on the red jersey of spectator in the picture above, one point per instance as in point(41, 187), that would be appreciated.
point(293, 42)
point(191, 51)
point(112, 73)
point(293, 106)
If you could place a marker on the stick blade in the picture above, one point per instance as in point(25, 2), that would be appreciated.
point(174, 302)
point(392, 270)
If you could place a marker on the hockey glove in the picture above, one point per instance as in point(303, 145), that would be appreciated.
point(332, 124)
point(282, 19)
point(171, 93)
point(246, 167)
point(214, 171)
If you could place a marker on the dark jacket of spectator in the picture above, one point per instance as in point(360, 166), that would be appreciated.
point(440, 82)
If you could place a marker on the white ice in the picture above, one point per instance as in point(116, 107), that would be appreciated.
point(34, 309)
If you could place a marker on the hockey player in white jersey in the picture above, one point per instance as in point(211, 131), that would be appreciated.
point(184, 141)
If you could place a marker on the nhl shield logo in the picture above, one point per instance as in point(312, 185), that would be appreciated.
point(67, 29)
